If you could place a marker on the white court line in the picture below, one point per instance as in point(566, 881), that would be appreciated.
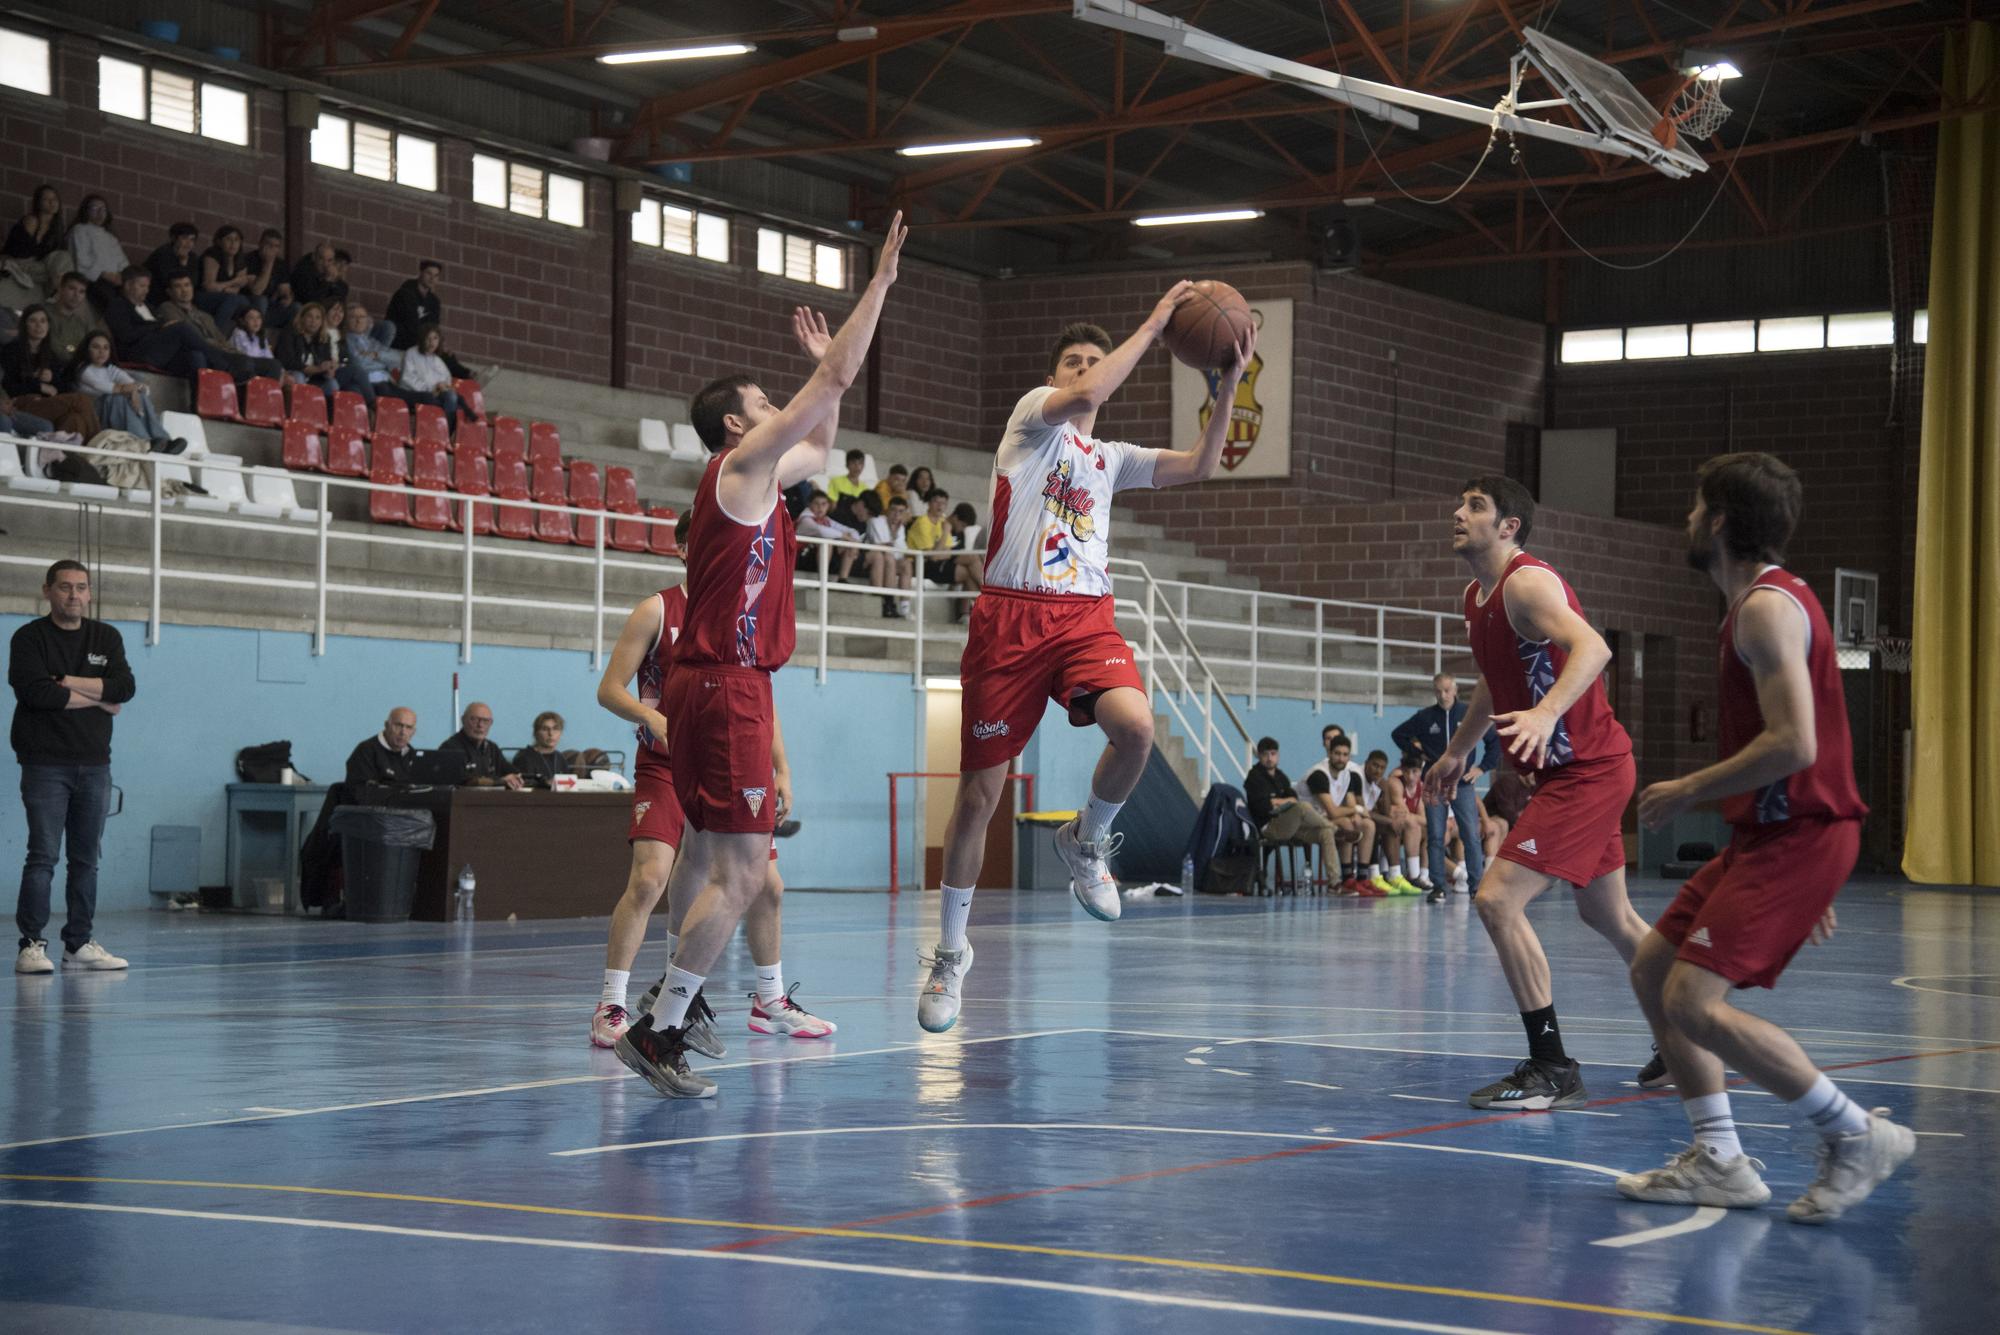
point(1311, 1084)
point(1202, 1051)
point(1768, 1126)
point(1194, 1061)
point(1423, 1098)
point(282, 1112)
point(1704, 1217)
point(1230, 1070)
point(1954, 1135)
point(1144, 1297)
point(1584, 1112)
point(822, 1055)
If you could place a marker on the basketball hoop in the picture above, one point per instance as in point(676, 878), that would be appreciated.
point(1893, 651)
point(1697, 110)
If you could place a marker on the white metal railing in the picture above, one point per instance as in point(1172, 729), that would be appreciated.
point(1304, 647)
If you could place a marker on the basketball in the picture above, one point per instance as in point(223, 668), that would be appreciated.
point(1207, 326)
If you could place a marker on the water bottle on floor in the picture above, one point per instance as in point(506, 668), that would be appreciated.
point(466, 885)
point(1187, 874)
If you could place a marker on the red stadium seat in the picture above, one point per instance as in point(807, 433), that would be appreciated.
point(215, 396)
point(392, 420)
point(661, 536)
point(430, 470)
point(391, 466)
point(308, 404)
point(585, 493)
point(621, 491)
point(350, 410)
point(510, 439)
point(471, 399)
point(346, 453)
point(263, 402)
point(551, 487)
point(469, 478)
point(629, 535)
point(544, 445)
point(432, 424)
point(302, 447)
point(510, 483)
point(472, 437)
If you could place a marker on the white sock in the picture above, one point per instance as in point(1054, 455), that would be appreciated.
point(615, 981)
point(671, 1010)
point(1831, 1112)
point(1097, 817)
point(771, 983)
point(1374, 869)
point(673, 947)
point(1412, 868)
point(1714, 1125)
point(952, 916)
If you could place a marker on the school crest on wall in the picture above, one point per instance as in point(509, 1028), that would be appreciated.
point(1259, 442)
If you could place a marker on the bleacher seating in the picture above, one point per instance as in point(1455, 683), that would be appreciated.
point(586, 492)
point(273, 492)
point(263, 402)
point(346, 453)
point(350, 410)
point(305, 403)
point(510, 483)
point(653, 437)
point(221, 477)
point(430, 469)
point(392, 420)
point(189, 428)
point(13, 469)
point(302, 447)
point(432, 425)
point(215, 396)
point(510, 439)
point(551, 487)
point(472, 438)
point(544, 446)
point(390, 468)
point(661, 537)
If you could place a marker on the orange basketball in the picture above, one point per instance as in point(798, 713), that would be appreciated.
point(1207, 326)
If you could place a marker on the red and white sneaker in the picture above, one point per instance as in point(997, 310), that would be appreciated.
point(608, 1025)
point(787, 1017)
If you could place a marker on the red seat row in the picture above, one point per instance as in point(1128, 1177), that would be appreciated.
point(267, 402)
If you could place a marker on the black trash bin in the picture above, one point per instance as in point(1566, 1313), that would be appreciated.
point(380, 848)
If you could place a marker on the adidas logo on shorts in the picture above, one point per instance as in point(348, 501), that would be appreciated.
point(1699, 937)
point(1528, 846)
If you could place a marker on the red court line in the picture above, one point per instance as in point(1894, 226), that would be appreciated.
point(1291, 1152)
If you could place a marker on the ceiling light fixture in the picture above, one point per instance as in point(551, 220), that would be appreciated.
point(677, 53)
point(967, 146)
point(1212, 215)
point(1708, 66)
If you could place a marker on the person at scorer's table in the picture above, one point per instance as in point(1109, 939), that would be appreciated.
point(484, 763)
point(385, 757)
point(545, 759)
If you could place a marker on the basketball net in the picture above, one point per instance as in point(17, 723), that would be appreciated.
point(1893, 652)
point(1697, 110)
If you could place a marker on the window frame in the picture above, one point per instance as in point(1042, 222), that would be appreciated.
point(515, 175)
point(396, 139)
point(148, 110)
point(26, 38)
point(656, 221)
point(799, 257)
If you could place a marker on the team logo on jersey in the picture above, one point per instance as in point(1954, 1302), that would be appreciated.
point(755, 798)
point(986, 731)
point(1246, 412)
point(639, 810)
point(1070, 504)
point(1058, 557)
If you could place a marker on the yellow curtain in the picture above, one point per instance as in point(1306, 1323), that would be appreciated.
point(1954, 820)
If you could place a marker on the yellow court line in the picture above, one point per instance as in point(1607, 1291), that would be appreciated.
point(1021, 1248)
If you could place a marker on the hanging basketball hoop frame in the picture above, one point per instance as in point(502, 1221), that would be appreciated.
point(1616, 120)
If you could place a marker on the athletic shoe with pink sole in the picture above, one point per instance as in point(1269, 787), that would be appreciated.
point(787, 1018)
point(608, 1024)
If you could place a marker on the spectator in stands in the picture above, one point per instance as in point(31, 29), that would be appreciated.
point(269, 287)
point(342, 262)
point(96, 251)
point(1428, 731)
point(122, 400)
point(351, 375)
point(968, 574)
point(1334, 785)
point(417, 303)
point(71, 320)
point(226, 275)
point(482, 758)
point(249, 336)
point(70, 677)
point(308, 356)
point(544, 760)
point(30, 371)
point(313, 277)
point(894, 485)
point(931, 532)
point(177, 254)
point(425, 371)
point(363, 349)
point(386, 757)
point(17, 420)
point(816, 523)
point(847, 486)
point(180, 308)
point(886, 568)
point(139, 335)
point(1279, 814)
point(920, 485)
point(33, 261)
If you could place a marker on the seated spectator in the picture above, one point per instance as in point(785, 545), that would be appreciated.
point(31, 372)
point(1506, 799)
point(314, 280)
point(270, 288)
point(16, 420)
point(968, 572)
point(846, 487)
point(1334, 785)
point(226, 275)
point(122, 401)
point(71, 320)
point(249, 336)
point(931, 532)
point(920, 485)
point(483, 759)
point(815, 523)
point(180, 308)
point(96, 251)
point(1403, 802)
point(351, 375)
point(386, 757)
point(33, 261)
point(426, 372)
point(894, 485)
point(363, 349)
point(417, 303)
point(544, 760)
point(175, 255)
point(307, 355)
point(1279, 814)
point(383, 332)
point(139, 336)
point(886, 569)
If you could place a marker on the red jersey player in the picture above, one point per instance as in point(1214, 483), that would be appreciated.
point(1540, 665)
point(1786, 783)
point(1043, 627)
point(739, 630)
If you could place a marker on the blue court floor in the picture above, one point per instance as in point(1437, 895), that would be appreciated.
point(1230, 1115)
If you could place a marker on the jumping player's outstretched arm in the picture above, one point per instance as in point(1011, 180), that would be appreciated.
point(1174, 468)
point(1538, 611)
point(1090, 390)
point(808, 457)
point(756, 457)
point(1442, 778)
point(641, 633)
point(1771, 638)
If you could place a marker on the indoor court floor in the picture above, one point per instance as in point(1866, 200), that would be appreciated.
point(1225, 1115)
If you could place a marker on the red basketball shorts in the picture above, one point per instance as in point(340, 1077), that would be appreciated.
point(656, 811)
point(1022, 649)
point(1749, 909)
point(1572, 828)
point(719, 721)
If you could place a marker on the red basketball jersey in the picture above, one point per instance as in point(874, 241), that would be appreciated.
point(1520, 671)
point(1824, 789)
point(653, 668)
point(739, 585)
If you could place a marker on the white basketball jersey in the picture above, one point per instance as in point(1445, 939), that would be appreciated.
point(1051, 503)
point(1337, 784)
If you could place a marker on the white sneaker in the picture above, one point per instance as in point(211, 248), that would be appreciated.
point(937, 1004)
point(607, 1024)
point(34, 958)
point(1090, 880)
point(93, 958)
point(1461, 884)
point(1700, 1176)
point(785, 1016)
point(1852, 1166)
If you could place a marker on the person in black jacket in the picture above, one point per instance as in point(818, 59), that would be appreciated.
point(546, 758)
point(140, 336)
point(417, 303)
point(1427, 732)
point(1279, 814)
point(483, 760)
point(385, 757)
point(70, 678)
